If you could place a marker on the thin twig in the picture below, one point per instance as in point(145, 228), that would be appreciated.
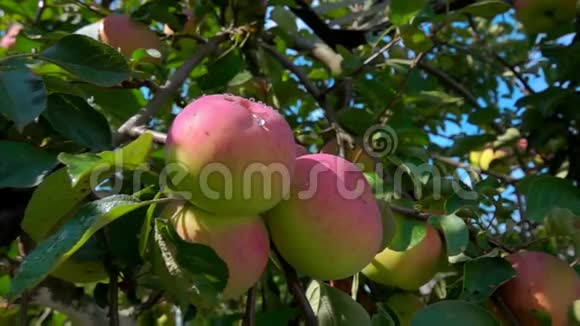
point(410, 212)
point(150, 302)
point(39, 10)
point(313, 90)
point(461, 165)
point(286, 63)
point(24, 300)
point(450, 82)
point(297, 291)
point(250, 314)
point(367, 61)
point(113, 297)
point(472, 25)
point(167, 91)
point(158, 137)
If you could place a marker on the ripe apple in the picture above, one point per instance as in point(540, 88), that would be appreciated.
point(228, 155)
point(411, 268)
point(356, 155)
point(405, 305)
point(543, 283)
point(240, 241)
point(124, 34)
point(9, 38)
point(120, 31)
point(544, 15)
point(330, 227)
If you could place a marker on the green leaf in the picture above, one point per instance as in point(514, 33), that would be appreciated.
point(469, 143)
point(88, 59)
point(403, 11)
point(487, 8)
point(334, 307)
point(414, 38)
point(383, 316)
point(116, 104)
point(284, 19)
point(4, 285)
point(77, 120)
point(193, 273)
point(57, 196)
point(356, 121)
point(58, 247)
point(455, 233)
point(546, 193)
point(22, 96)
point(561, 222)
point(131, 157)
point(81, 166)
point(23, 165)
point(280, 316)
point(482, 276)
point(221, 71)
point(454, 313)
point(409, 233)
point(146, 228)
point(457, 201)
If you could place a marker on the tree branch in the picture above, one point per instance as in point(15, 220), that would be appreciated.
point(68, 299)
point(287, 64)
point(320, 51)
point(113, 296)
point(453, 84)
point(167, 91)
point(158, 137)
point(450, 82)
point(24, 300)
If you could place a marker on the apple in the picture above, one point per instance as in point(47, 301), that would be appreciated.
point(9, 38)
point(124, 34)
point(356, 155)
point(330, 227)
point(543, 283)
point(408, 269)
point(229, 155)
point(405, 305)
point(483, 159)
point(240, 241)
point(121, 32)
point(539, 16)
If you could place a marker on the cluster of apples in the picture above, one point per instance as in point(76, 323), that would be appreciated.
point(236, 163)
point(245, 182)
point(298, 201)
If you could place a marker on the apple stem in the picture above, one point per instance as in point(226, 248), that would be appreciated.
point(298, 292)
point(250, 315)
